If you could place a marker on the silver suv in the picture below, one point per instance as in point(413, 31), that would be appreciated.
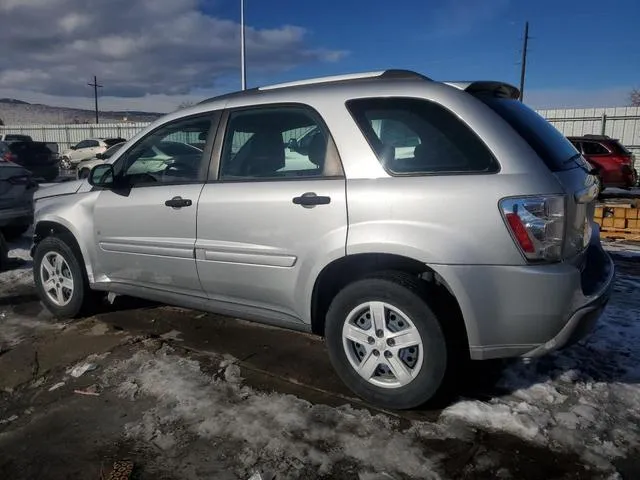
point(422, 224)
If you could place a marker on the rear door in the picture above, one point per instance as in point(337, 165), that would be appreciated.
point(271, 214)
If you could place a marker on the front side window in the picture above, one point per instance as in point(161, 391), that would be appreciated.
point(415, 136)
point(170, 154)
point(83, 144)
point(274, 143)
point(92, 143)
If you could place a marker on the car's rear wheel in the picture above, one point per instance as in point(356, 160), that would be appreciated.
point(385, 342)
point(14, 232)
point(60, 278)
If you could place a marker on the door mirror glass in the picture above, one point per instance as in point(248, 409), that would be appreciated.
point(100, 156)
point(102, 176)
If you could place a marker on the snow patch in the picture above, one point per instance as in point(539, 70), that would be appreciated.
point(277, 431)
point(584, 399)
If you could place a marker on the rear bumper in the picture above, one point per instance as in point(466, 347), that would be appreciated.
point(531, 310)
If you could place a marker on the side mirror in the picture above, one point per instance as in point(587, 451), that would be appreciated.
point(73, 147)
point(102, 176)
point(100, 156)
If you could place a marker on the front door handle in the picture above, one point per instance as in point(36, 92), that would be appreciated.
point(178, 202)
point(311, 199)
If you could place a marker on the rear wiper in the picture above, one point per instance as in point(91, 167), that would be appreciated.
point(572, 158)
point(590, 170)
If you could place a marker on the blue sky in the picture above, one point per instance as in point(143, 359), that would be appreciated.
point(156, 54)
point(577, 48)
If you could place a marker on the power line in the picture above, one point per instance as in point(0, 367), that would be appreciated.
point(523, 68)
point(95, 93)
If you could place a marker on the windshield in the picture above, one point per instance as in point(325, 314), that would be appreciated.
point(550, 145)
point(110, 151)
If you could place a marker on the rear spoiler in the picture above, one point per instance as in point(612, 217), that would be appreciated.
point(496, 89)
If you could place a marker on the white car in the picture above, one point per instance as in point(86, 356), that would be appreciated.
point(85, 150)
point(84, 167)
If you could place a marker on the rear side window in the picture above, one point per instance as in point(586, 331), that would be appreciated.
point(594, 148)
point(555, 150)
point(415, 136)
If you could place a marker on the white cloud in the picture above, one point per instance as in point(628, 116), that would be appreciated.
point(138, 49)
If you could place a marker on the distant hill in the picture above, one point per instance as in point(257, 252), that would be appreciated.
point(18, 112)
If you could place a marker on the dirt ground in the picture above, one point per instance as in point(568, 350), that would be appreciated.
point(187, 395)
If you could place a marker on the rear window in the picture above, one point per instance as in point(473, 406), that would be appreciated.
point(29, 148)
point(414, 136)
point(550, 145)
point(110, 142)
point(17, 138)
point(618, 148)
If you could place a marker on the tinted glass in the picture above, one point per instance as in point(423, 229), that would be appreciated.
point(594, 148)
point(83, 144)
point(415, 136)
point(113, 141)
point(286, 142)
point(619, 148)
point(552, 147)
point(110, 151)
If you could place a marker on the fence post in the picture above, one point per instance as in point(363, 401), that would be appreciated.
point(603, 123)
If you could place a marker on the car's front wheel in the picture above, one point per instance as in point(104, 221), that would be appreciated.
point(385, 342)
point(65, 163)
point(83, 173)
point(60, 278)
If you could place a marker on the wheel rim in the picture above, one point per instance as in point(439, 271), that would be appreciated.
point(382, 345)
point(65, 163)
point(56, 278)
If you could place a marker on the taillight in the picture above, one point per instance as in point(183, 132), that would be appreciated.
point(537, 225)
point(8, 157)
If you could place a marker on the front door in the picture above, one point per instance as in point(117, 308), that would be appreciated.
point(146, 226)
point(274, 214)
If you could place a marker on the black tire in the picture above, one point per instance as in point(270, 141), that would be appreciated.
point(84, 173)
point(406, 293)
point(82, 298)
point(13, 232)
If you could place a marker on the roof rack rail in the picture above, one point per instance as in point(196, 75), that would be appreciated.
point(381, 74)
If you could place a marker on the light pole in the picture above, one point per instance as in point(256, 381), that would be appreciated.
point(243, 66)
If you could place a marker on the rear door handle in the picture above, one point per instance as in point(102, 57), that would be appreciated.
point(178, 202)
point(311, 199)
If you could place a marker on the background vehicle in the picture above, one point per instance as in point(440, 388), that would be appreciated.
point(377, 234)
point(14, 137)
point(84, 167)
point(613, 162)
point(36, 157)
point(85, 150)
point(16, 199)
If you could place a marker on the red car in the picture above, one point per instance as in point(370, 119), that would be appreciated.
point(614, 164)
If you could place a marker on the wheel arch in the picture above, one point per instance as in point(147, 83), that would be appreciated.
point(47, 228)
point(347, 269)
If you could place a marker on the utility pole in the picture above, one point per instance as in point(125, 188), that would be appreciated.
point(243, 66)
point(95, 93)
point(523, 66)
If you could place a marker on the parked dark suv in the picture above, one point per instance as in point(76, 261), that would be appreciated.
point(612, 161)
point(37, 157)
